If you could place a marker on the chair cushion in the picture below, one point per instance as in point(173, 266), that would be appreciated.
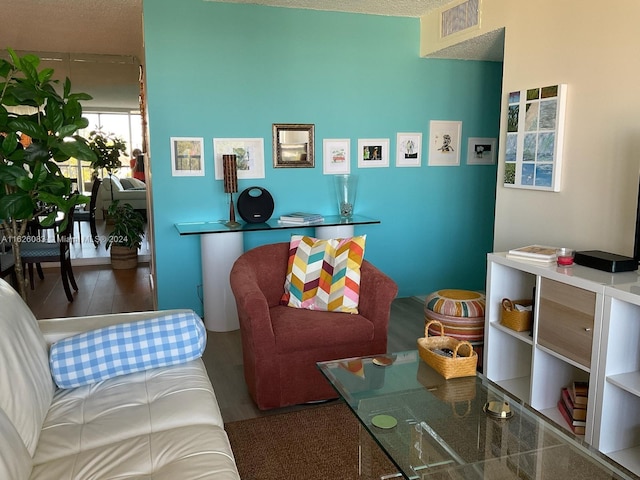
point(125, 348)
point(322, 330)
point(126, 184)
point(324, 274)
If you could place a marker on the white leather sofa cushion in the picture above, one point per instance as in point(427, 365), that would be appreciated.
point(138, 404)
point(26, 386)
point(15, 462)
point(191, 452)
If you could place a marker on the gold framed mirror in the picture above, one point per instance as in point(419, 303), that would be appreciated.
point(293, 145)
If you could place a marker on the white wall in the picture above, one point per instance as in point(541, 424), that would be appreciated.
point(595, 51)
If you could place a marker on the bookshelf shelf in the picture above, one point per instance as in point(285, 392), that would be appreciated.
point(586, 327)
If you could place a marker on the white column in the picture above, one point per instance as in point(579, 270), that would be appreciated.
point(219, 251)
point(334, 231)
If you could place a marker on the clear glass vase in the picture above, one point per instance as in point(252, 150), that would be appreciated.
point(346, 186)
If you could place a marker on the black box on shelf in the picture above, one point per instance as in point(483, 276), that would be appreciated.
point(608, 262)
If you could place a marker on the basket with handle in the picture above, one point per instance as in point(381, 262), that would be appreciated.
point(463, 361)
point(518, 320)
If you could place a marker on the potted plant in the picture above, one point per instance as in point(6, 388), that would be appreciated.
point(38, 130)
point(108, 148)
point(126, 237)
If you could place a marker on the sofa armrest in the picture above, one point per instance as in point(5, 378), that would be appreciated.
point(56, 329)
point(377, 291)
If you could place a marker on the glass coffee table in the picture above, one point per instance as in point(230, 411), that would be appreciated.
point(462, 428)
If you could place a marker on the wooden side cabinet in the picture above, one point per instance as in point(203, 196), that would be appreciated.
point(586, 327)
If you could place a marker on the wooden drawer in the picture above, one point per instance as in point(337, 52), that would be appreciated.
point(565, 320)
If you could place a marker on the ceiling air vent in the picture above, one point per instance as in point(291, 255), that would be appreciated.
point(461, 17)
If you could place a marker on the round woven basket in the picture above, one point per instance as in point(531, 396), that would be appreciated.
point(123, 258)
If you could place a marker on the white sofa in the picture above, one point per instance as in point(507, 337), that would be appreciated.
point(163, 423)
point(127, 190)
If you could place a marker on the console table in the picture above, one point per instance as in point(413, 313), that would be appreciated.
point(219, 252)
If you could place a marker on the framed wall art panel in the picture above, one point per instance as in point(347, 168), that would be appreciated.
point(535, 133)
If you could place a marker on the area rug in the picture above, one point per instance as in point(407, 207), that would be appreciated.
point(320, 442)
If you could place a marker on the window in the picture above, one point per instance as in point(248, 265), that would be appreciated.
point(127, 126)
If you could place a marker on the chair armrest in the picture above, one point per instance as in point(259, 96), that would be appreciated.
point(56, 329)
point(252, 304)
point(377, 291)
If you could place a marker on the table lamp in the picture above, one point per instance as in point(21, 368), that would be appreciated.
point(230, 174)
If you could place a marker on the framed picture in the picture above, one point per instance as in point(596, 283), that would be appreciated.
point(444, 143)
point(481, 151)
point(535, 133)
point(336, 156)
point(187, 157)
point(249, 154)
point(373, 152)
point(409, 150)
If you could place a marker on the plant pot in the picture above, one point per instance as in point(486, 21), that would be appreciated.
point(123, 258)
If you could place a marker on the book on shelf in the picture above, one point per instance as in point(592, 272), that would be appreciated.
point(309, 222)
point(301, 217)
point(577, 426)
point(536, 253)
point(579, 393)
point(577, 412)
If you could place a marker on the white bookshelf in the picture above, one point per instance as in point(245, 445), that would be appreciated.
point(607, 350)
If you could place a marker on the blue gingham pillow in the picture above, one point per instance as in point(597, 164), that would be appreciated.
point(106, 352)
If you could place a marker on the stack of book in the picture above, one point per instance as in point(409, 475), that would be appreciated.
point(539, 254)
point(301, 218)
point(573, 406)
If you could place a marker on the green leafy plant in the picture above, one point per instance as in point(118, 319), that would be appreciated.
point(128, 226)
point(38, 130)
point(108, 149)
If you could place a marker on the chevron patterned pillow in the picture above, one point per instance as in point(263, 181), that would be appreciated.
point(324, 274)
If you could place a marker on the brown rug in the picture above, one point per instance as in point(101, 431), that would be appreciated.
point(319, 442)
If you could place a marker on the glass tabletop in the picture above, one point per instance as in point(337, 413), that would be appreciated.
point(218, 226)
point(435, 428)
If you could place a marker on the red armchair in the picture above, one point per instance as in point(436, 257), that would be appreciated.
point(281, 345)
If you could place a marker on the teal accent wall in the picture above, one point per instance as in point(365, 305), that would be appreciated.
point(218, 70)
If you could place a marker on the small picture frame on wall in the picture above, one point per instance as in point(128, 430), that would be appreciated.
point(249, 154)
point(187, 156)
point(444, 143)
point(373, 152)
point(481, 151)
point(409, 150)
point(336, 156)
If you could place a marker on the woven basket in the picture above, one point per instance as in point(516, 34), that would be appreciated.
point(464, 360)
point(514, 319)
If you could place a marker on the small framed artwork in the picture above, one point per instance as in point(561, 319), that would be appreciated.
point(373, 152)
point(444, 143)
point(336, 158)
point(481, 151)
point(409, 150)
point(187, 156)
point(249, 154)
point(535, 133)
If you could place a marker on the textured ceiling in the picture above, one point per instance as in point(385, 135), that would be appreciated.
point(115, 26)
point(109, 34)
point(394, 8)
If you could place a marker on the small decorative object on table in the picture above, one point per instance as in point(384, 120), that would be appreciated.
point(230, 172)
point(516, 314)
point(346, 194)
point(433, 350)
point(565, 256)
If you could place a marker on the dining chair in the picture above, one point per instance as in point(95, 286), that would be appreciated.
point(89, 215)
point(38, 252)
